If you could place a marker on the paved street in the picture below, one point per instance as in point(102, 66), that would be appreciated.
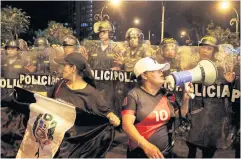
point(180, 149)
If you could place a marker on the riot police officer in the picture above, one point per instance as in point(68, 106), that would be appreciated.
point(136, 50)
point(168, 53)
point(42, 56)
point(12, 63)
point(70, 44)
point(101, 58)
point(105, 48)
point(41, 42)
point(208, 48)
point(210, 117)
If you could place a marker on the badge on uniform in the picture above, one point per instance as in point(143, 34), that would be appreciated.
point(93, 54)
point(110, 54)
point(17, 66)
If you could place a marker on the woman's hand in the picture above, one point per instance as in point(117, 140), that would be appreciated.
point(152, 151)
point(114, 120)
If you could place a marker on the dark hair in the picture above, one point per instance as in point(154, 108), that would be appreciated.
point(139, 81)
point(87, 76)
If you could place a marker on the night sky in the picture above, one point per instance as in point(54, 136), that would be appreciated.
point(149, 13)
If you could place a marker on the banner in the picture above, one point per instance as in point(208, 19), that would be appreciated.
point(122, 77)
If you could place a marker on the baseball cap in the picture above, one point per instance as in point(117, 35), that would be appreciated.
point(81, 63)
point(149, 64)
point(74, 58)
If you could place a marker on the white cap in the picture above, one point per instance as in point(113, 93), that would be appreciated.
point(149, 64)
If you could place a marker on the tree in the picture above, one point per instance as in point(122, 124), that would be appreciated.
point(224, 36)
point(13, 22)
point(56, 32)
point(198, 20)
point(39, 33)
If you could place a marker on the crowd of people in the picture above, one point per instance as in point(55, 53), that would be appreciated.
point(147, 115)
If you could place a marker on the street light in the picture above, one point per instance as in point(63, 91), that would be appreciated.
point(162, 26)
point(225, 5)
point(184, 33)
point(137, 21)
point(115, 2)
point(101, 13)
point(101, 17)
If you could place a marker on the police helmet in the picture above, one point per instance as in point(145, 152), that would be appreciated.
point(134, 31)
point(209, 40)
point(105, 25)
point(12, 43)
point(166, 41)
point(70, 41)
point(41, 42)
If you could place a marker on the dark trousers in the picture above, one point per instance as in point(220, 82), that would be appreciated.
point(139, 153)
point(207, 152)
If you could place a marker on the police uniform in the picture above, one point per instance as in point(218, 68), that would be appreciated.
point(42, 56)
point(211, 121)
point(174, 62)
point(42, 61)
point(132, 55)
point(11, 71)
point(131, 58)
point(236, 112)
point(103, 60)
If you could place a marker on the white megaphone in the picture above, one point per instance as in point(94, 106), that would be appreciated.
point(205, 72)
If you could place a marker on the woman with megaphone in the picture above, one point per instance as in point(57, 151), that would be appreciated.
point(147, 113)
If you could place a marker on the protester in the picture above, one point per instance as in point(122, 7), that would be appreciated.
point(78, 88)
point(147, 114)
